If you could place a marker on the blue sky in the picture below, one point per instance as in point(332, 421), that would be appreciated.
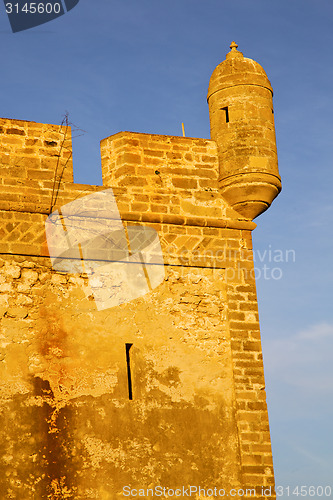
point(145, 66)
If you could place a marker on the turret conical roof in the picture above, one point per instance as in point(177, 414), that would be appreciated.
point(237, 70)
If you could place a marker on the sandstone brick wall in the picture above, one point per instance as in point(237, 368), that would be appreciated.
point(167, 179)
point(34, 157)
point(36, 177)
point(198, 414)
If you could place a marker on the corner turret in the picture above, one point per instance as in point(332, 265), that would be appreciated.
point(240, 99)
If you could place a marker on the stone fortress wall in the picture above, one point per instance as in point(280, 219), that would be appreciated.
point(196, 412)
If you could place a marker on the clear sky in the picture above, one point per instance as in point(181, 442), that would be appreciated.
point(144, 66)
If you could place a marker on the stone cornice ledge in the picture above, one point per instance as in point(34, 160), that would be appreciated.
point(180, 220)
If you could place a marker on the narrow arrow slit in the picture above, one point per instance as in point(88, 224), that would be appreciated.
point(226, 114)
point(129, 375)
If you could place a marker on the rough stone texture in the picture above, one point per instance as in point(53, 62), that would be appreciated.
point(198, 411)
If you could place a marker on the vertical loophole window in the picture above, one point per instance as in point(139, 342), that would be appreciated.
point(226, 113)
point(129, 374)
